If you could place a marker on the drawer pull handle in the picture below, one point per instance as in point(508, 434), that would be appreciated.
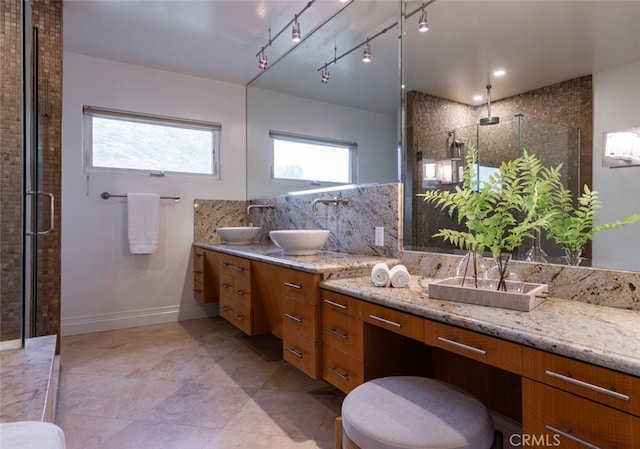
point(293, 317)
point(225, 308)
point(336, 333)
point(197, 290)
point(392, 323)
point(294, 352)
point(289, 284)
point(197, 255)
point(238, 268)
point(225, 285)
point(567, 434)
point(224, 264)
point(198, 271)
point(335, 304)
point(239, 317)
point(239, 292)
point(463, 346)
point(338, 373)
point(580, 383)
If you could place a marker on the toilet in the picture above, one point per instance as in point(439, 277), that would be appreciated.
point(408, 412)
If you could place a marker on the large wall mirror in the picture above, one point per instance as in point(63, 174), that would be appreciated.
point(545, 101)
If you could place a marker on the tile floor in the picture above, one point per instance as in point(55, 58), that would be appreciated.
point(197, 384)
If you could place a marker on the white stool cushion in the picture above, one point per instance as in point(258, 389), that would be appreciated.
point(415, 412)
point(31, 435)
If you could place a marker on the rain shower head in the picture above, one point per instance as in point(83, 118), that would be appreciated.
point(489, 120)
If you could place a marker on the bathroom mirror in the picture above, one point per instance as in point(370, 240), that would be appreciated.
point(435, 63)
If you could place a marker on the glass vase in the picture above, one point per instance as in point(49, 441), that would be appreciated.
point(499, 277)
point(471, 269)
point(573, 256)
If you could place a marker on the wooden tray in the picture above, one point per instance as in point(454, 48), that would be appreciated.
point(449, 289)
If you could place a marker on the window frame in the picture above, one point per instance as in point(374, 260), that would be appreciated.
point(89, 112)
point(351, 146)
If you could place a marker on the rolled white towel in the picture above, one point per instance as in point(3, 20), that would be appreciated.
point(380, 275)
point(399, 276)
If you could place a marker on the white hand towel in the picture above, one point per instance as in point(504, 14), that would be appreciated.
point(143, 214)
point(380, 275)
point(399, 276)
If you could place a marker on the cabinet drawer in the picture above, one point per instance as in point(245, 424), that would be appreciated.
point(560, 419)
point(342, 303)
point(618, 390)
point(237, 267)
point(300, 317)
point(235, 289)
point(236, 314)
point(476, 346)
point(342, 332)
point(198, 288)
point(393, 320)
point(341, 370)
point(300, 352)
point(299, 285)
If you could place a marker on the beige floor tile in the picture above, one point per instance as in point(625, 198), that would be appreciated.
point(153, 435)
point(183, 369)
point(119, 362)
point(226, 439)
point(297, 415)
point(206, 406)
point(88, 432)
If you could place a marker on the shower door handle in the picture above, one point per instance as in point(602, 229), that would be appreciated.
point(51, 212)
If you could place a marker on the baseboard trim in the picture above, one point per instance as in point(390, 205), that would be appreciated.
point(134, 318)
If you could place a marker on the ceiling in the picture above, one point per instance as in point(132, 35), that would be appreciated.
point(538, 43)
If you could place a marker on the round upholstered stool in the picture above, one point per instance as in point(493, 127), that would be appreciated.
point(405, 412)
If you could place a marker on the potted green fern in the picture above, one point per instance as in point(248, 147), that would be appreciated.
point(499, 213)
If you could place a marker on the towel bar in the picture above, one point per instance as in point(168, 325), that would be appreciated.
point(107, 195)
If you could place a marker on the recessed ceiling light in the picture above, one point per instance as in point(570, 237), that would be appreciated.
point(499, 72)
point(477, 97)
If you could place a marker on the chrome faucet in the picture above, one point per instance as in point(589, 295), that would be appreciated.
point(258, 206)
point(335, 200)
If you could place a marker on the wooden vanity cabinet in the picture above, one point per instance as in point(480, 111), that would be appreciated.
point(342, 341)
point(205, 275)
point(237, 304)
point(575, 404)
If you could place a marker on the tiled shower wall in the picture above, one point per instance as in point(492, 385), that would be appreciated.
point(352, 224)
point(47, 16)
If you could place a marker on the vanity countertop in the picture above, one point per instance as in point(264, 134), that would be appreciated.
point(604, 336)
point(323, 262)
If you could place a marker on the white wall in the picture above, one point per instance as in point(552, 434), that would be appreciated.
point(375, 133)
point(103, 286)
point(616, 106)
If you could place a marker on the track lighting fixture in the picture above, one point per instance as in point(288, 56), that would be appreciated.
point(366, 54)
point(325, 75)
point(262, 60)
point(423, 25)
point(295, 31)
point(296, 36)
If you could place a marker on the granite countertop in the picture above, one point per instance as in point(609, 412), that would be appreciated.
point(604, 336)
point(323, 262)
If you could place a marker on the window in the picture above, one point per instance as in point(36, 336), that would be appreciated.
point(126, 141)
point(312, 159)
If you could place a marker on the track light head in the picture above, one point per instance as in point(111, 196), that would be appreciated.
point(366, 54)
point(325, 75)
point(295, 32)
point(262, 61)
point(423, 25)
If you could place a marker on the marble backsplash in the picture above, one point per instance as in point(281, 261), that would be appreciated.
point(352, 224)
point(352, 231)
point(611, 288)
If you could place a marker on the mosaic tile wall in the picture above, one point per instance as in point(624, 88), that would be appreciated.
point(430, 118)
point(10, 171)
point(47, 16)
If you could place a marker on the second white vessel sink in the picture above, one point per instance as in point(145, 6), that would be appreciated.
point(239, 235)
point(300, 242)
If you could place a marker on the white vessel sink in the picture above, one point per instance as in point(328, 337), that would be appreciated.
point(239, 235)
point(299, 242)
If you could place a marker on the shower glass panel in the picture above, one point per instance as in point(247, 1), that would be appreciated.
point(444, 153)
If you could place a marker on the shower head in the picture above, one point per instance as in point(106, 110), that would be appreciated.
point(489, 120)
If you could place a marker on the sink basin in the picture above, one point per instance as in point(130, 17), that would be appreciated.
point(299, 242)
point(239, 235)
